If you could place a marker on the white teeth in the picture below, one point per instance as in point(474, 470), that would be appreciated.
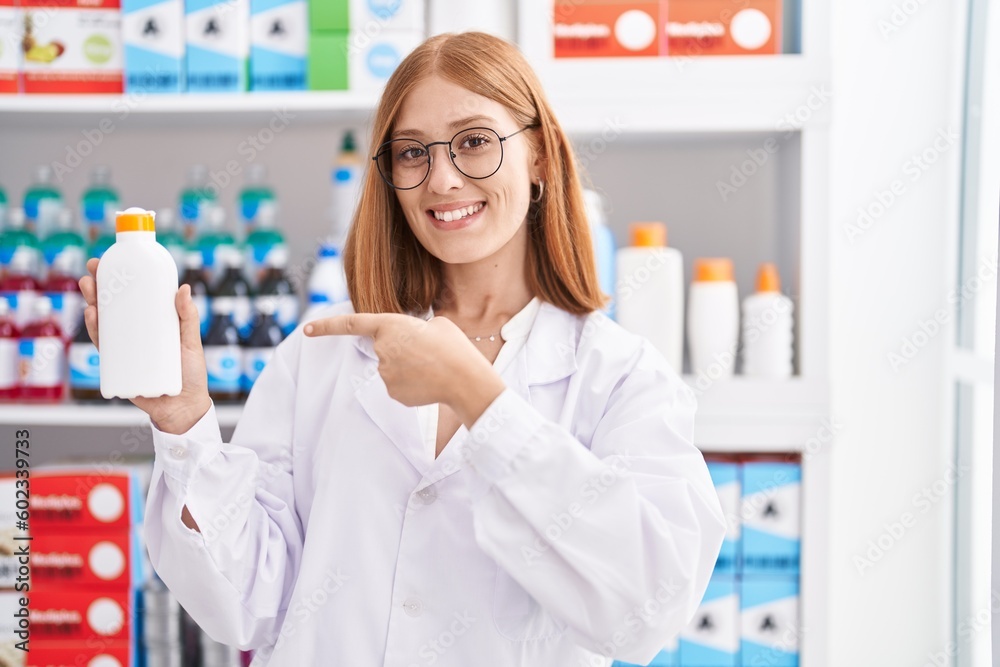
point(457, 214)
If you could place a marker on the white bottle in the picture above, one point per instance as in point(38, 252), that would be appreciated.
point(649, 298)
point(713, 319)
point(327, 283)
point(767, 328)
point(138, 326)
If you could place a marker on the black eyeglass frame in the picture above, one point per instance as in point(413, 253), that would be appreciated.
point(451, 155)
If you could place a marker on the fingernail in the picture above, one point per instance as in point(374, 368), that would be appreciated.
point(308, 329)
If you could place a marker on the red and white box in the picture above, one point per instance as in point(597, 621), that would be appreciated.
point(75, 654)
point(722, 28)
point(10, 45)
point(607, 29)
point(72, 615)
point(65, 501)
point(72, 46)
point(101, 561)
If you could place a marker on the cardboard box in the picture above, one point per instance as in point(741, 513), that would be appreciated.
point(722, 27)
point(11, 24)
point(726, 477)
point(74, 654)
point(771, 537)
point(153, 32)
point(99, 560)
point(218, 45)
point(607, 30)
point(327, 61)
point(373, 16)
point(279, 39)
point(71, 615)
point(79, 500)
point(74, 46)
point(372, 61)
point(769, 620)
point(329, 15)
point(712, 638)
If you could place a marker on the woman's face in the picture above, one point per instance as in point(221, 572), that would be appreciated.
point(434, 111)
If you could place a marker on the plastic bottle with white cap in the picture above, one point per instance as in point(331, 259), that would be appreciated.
point(138, 325)
point(767, 328)
point(713, 323)
point(649, 298)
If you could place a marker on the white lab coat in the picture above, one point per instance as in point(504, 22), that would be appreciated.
point(574, 523)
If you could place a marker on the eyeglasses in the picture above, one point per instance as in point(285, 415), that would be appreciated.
point(477, 152)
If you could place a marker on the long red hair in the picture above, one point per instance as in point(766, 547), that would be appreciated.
point(388, 271)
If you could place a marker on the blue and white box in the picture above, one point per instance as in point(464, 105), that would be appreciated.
point(771, 532)
point(374, 16)
point(279, 39)
point(218, 45)
point(712, 638)
point(153, 32)
point(665, 658)
point(726, 477)
point(769, 621)
point(370, 61)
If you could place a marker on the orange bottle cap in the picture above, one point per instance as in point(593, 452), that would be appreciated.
point(134, 220)
point(768, 279)
point(648, 234)
point(713, 269)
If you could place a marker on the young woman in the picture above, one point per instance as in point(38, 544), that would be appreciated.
point(467, 464)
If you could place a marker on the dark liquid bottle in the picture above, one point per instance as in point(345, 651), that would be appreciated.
point(84, 367)
point(276, 285)
point(194, 275)
point(259, 346)
point(233, 284)
point(223, 355)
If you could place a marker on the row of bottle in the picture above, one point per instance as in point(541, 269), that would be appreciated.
point(38, 363)
point(647, 281)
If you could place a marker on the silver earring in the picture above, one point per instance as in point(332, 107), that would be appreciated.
point(541, 190)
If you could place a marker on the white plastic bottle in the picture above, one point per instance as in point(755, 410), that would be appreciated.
point(649, 297)
point(138, 326)
point(345, 180)
point(713, 319)
point(767, 328)
point(327, 283)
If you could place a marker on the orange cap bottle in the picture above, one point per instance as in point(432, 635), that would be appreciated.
point(713, 269)
point(768, 279)
point(648, 234)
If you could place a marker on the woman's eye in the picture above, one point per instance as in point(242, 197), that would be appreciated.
point(475, 141)
point(411, 153)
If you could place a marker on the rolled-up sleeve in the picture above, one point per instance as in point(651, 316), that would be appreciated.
point(235, 576)
point(617, 540)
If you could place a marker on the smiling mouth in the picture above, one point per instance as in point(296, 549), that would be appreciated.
point(457, 214)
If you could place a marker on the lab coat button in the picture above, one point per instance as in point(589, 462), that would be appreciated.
point(427, 495)
point(178, 452)
point(413, 607)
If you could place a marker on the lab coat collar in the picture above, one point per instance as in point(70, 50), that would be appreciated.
point(548, 355)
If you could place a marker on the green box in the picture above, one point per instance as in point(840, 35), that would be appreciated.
point(327, 15)
point(328, 60)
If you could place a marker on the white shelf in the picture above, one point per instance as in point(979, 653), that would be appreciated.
point(738, 415)
point(185, 109)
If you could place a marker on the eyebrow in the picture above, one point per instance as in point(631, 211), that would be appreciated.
point(460, 123)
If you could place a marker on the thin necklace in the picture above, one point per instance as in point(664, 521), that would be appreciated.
point(492, 337)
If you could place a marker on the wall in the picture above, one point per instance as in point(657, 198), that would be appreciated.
point(894, 90)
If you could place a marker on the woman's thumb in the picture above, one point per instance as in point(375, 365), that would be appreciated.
point(189, 316)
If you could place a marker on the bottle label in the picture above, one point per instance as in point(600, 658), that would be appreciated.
point(287, 313)
point(67, 311)
point(254, 360)
point(243, 315)
point(42, 361)
point(84, 366)
point(224, 365)
point(10, 359)
point(204, 312)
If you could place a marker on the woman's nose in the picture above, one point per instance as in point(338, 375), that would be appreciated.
point(444, 175)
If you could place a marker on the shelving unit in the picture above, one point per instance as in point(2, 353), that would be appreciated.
point(660, 99)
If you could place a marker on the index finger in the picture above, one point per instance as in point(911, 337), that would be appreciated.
point(355, 324)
